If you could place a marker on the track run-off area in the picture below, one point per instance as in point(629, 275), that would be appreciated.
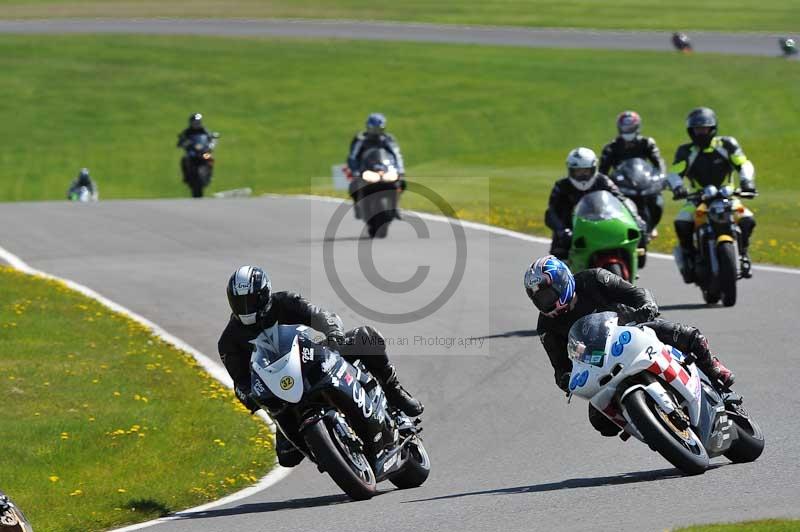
point(507, 451)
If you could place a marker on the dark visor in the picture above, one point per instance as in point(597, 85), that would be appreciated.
point(244, 304)
point(545, 298)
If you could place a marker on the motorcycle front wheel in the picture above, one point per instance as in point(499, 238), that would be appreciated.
point(749, 443)
point(681, 447)
point(726, 255)
point(347, 466)
point(416, 470)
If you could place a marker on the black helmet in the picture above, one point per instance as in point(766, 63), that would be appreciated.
point(83, 177)
point(249, 293)
point(702, 117)
point(195, 121)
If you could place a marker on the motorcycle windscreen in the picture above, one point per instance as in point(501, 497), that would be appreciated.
point(588, 337)
point(638, 175)
point(200, 142)
point(600, 205)
point(276, 361)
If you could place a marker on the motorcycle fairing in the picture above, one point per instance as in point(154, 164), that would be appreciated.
point(277, 362)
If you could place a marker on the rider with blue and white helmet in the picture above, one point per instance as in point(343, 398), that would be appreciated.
point(563, 298)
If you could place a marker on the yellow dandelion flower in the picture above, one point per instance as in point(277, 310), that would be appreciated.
point(76, 493)
point(53, 478)
point(121, 490)
point(117, 394)
point(65, 435)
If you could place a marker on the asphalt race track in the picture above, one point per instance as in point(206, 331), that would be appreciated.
point(715, 42)
point(508, 453)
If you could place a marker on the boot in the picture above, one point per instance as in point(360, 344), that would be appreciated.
point(717, 372)
point(396, 395)
point(687, 271)
point(288, 454)
point(744, 261)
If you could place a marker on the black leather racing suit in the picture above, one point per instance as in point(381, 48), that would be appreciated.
point(363, 142)
point(563, 199)
point(640, 147)
point(235, 349)
point(599, 290)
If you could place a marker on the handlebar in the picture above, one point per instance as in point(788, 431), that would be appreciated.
point(737, 193)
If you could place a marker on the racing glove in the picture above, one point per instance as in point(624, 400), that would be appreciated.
point(563, 381)
point(679, 192)
point(246, 399)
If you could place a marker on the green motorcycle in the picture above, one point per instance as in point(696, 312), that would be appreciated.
point(605, 235)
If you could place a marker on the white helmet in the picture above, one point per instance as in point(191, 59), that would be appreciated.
point(582, 168)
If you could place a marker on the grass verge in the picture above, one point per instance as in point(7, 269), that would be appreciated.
point(105, 424)
point(723, 15)
point(767, 525)
point(287, 111)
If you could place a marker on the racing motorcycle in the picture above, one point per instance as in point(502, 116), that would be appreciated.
point(717, 237)
point(378, 188)
point(605, 235)
point(655, 393)
point(11, 517)
point(82, 195)
point(637, 179)
point(340, 418)
point(681, 42)
point(199, 162)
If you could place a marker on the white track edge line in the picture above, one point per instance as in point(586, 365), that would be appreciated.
point(508, 232)
point(215, 370)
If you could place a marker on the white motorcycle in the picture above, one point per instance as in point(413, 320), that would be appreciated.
point(658, 395)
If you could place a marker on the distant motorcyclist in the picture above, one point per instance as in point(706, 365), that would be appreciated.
point(373, 136)
point(83, 181)
point(788, 46)
point(630, 144)
point(195, 127)
point(256, 307)
point(582, 178)
point(709, 160)
point(562, 299)
point(681, 42)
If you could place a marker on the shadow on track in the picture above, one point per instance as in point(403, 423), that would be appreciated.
point(264, 507)
point(688, 306)
point(572, 483)
point(522, 333)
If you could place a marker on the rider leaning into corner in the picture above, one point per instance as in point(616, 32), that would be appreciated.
point(373, 136)
point(562, 299)
point(629, 144)
point(709, 160)
point(582, 178)
point(256, 307)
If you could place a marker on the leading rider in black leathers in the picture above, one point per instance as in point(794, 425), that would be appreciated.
point(255, 307)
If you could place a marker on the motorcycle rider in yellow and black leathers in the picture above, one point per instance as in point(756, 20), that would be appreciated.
point(709, 160)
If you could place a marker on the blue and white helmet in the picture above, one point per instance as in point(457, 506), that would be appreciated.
point(376, 124)
point(550, 285)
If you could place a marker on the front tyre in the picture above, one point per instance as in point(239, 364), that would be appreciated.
point(749, 443)
point(335, 455)
point(726, 255)
point(681, 448)
point(416, 470)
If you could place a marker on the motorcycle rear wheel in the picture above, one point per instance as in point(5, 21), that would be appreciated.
point(350, 470)
point(685, 453)
point(416, 470)
point(726, 255)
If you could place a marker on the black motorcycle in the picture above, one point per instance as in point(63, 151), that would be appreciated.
point(717, 239)
point(377, 188)
point(198, 163)
point(339, 416)
point(681, 42)
point(637, 179)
